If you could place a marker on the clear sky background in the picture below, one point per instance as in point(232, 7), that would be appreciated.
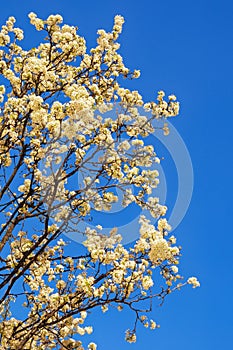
point(185, 48)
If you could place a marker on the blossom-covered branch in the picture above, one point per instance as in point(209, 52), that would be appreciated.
point(54, 129)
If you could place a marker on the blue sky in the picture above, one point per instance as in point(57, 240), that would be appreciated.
point(185, 48)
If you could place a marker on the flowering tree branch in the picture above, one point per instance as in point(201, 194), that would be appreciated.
point(54, 126)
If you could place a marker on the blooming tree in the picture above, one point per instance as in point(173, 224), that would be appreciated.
point(54, 125)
